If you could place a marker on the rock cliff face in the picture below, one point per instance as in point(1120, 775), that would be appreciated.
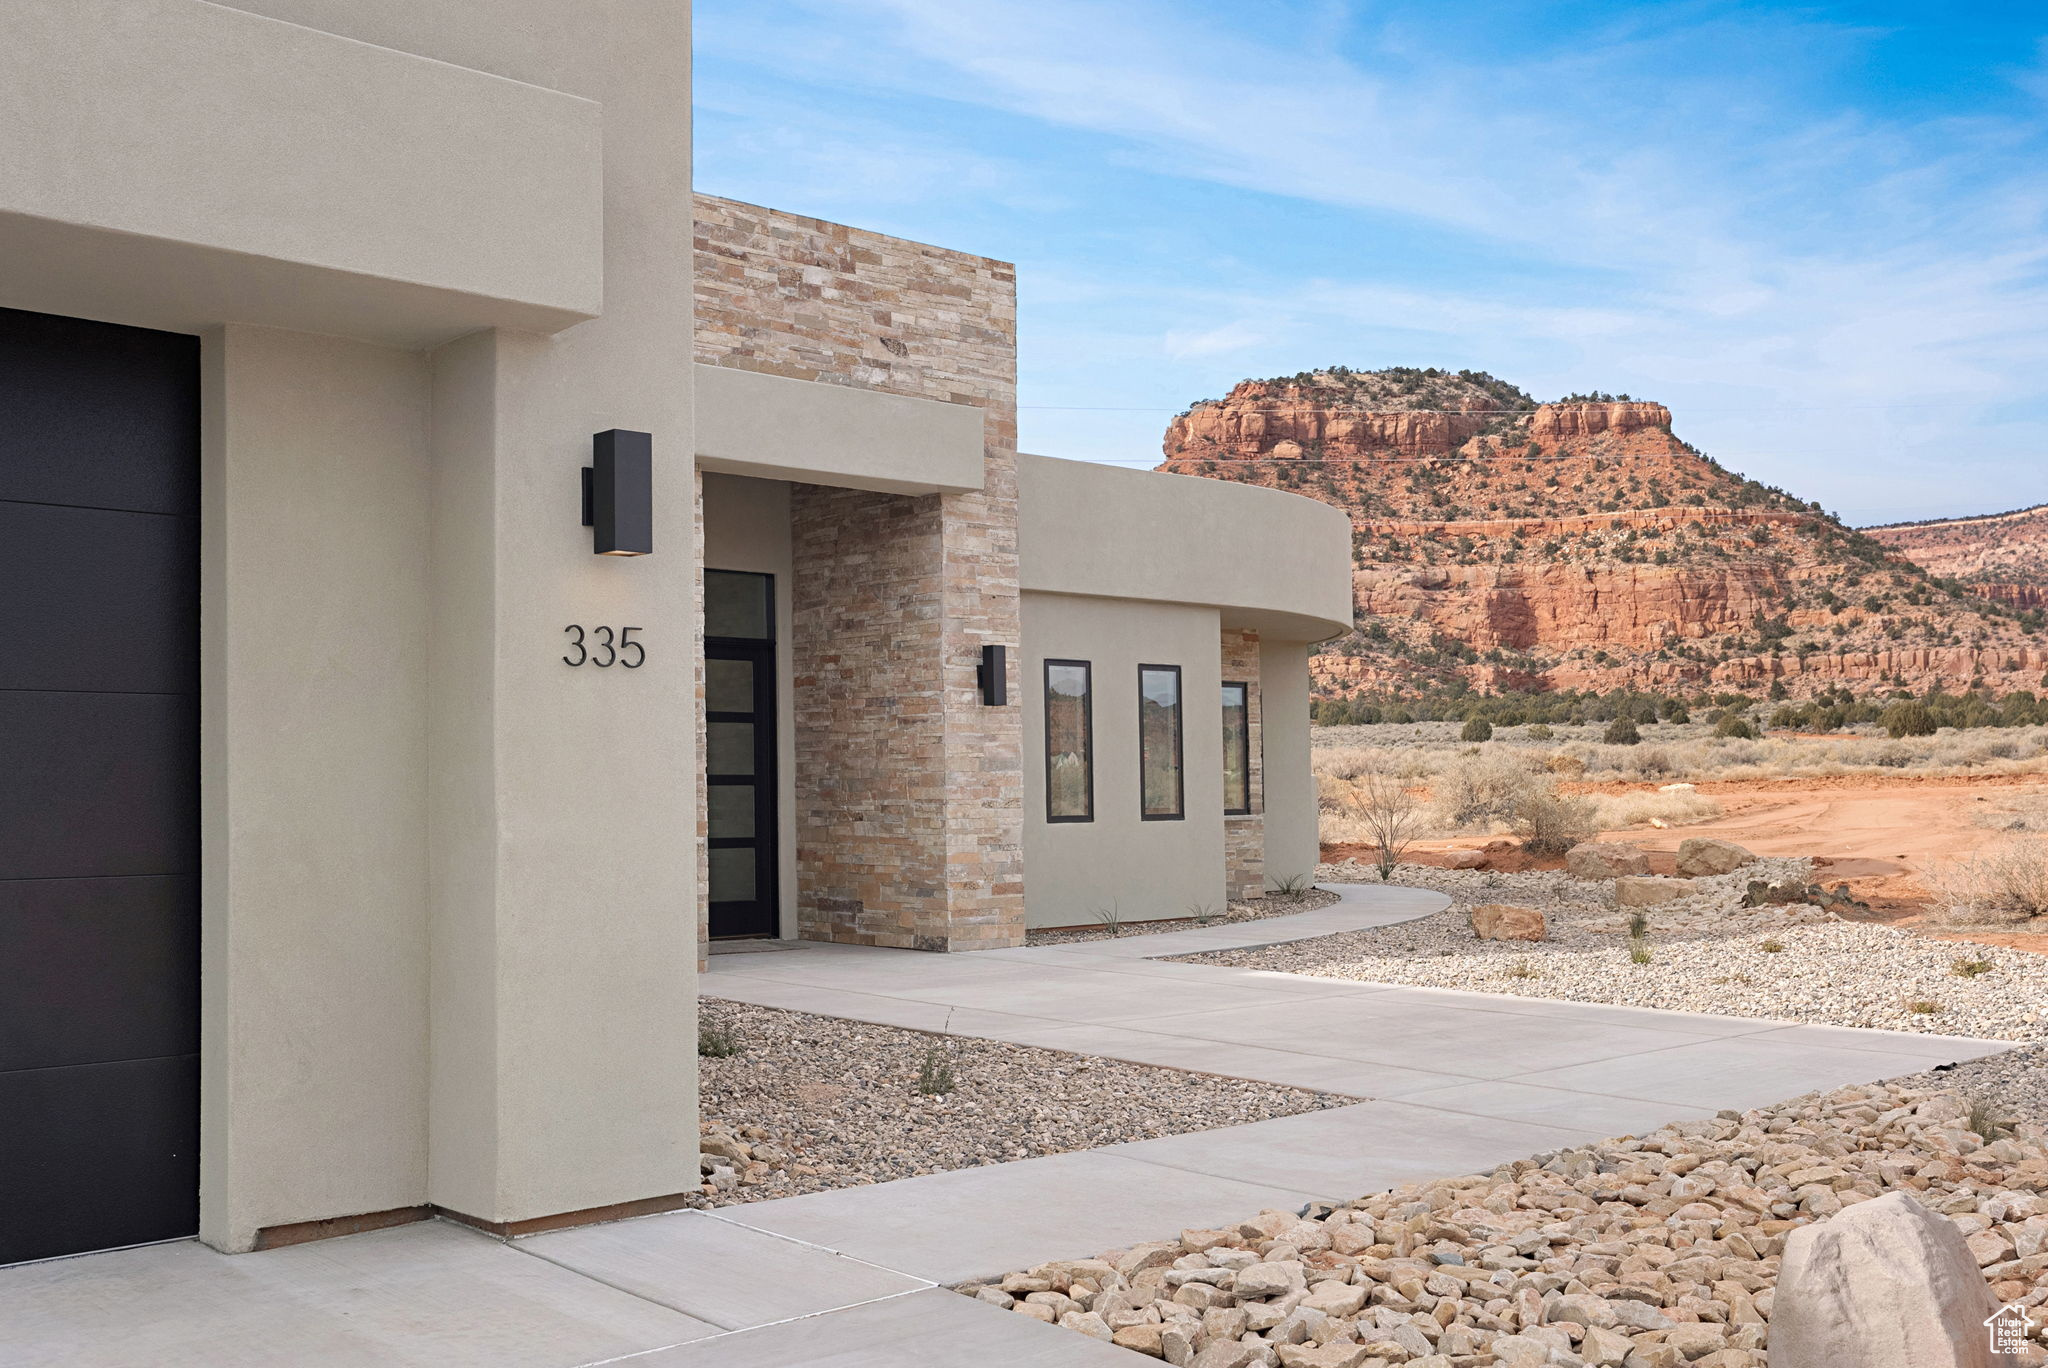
point(1580, 544)
point(2003, 556)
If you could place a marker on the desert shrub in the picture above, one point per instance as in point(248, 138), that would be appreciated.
point(1476, 729)
point(2003, 885)
point(717, 1038)
point(1735, 727)
point(1622, 732)
point(1540, 731)
point(1651, 762)
point(1391, 815)
point(1908, 717)
point(1550, 823)
point(1477, 790)
point(1614, 810)
point(1565, 764)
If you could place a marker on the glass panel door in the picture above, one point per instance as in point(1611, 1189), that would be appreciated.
point(739, 753)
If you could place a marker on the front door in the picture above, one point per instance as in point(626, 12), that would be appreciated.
point(739, 752)
point(99, 786)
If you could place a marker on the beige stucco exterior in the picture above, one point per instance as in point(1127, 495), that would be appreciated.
point(1267, 559)
point(430, 247)
point(1076, 873)
point(175, 164)
point(750, 423)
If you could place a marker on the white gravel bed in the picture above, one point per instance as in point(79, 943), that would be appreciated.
point(1258, 909)
point(1658, 1252)
point(816, 1102)
point(1708, 954)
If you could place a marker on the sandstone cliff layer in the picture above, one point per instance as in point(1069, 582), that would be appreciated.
point(2003, 556)
point(1581, 544)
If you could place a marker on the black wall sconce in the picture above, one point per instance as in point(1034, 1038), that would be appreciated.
point(618, 493)
point(995, 676)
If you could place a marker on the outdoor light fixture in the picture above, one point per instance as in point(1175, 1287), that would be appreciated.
point(618, 493)
point(995, 676)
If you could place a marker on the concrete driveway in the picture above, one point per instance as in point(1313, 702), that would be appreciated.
point(852, 1279)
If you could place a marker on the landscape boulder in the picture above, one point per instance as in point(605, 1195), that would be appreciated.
point(1703, 857)
point(1464, 859)
point(1504, 921)
point(1884, 1284)
point(1637, 890)
point(1605, 860)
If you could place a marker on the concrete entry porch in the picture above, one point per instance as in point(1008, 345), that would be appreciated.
point(1460, 1082)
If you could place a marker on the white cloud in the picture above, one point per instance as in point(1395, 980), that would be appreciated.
point(1830, 289)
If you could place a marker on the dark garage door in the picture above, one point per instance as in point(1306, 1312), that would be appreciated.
point(99, 781)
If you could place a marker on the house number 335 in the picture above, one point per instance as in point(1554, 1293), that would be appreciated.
point(604, 647)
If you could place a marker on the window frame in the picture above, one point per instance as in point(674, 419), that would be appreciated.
point(1087, 667)
point(1180, 729)
point(1244, 689)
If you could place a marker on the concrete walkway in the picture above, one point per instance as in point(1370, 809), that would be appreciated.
point(1458, 1082)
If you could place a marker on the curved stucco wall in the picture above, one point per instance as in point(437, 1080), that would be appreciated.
point(1268, 560)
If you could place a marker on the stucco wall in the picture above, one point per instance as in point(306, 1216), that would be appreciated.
point(1291, 806)
point(1142, 870)
point(1276, 563)
point(314, 897)
point(165, 154)
point(459, 960)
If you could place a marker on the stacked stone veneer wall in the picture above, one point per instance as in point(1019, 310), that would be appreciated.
point(909, 792)
point(1244, 835)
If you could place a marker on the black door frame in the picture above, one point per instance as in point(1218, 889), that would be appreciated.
point(762, 917)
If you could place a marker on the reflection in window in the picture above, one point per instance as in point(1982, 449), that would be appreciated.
point(1069, 742)
point(737, 604)
point(1237, 748)
point(1159, 750)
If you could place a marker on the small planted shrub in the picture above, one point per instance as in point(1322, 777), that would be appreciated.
point(1204, 913)
point(1772, 947)
point(717, 1039)
point(935, 1076)
point(1622, 732)
point(1476, 729)
point(1638, 950)
point(1293, 886)
point(1521, 969)
point(1638, 924)
point(1970, 968)
point(1922, 1007)
point(1111, 918)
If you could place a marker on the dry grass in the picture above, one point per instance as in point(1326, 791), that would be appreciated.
point(1689, 751)
point(1484, 789)
point(2005, 885)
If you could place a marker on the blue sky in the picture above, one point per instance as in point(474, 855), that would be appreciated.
point(1820, 233)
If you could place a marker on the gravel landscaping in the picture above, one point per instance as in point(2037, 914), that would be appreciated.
point(812, 1102)
point(2015, 1083)
point(1272, 905)
point(1707, 953)
point(1656, 1252)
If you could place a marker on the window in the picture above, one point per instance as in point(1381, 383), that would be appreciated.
point(1237, 749)
point(737, 604)
point(1159, 755)
point(1069, 742)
